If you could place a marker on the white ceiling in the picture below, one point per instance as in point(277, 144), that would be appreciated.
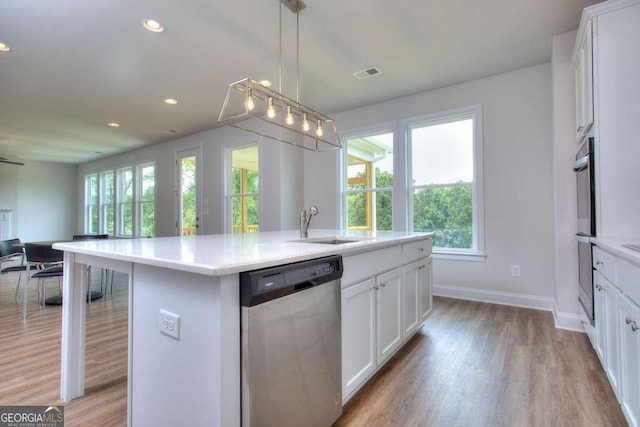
point(76, 64)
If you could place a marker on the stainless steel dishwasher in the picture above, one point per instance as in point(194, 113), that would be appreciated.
point(291, 358)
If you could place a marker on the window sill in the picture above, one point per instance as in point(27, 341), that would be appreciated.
point(459, 256)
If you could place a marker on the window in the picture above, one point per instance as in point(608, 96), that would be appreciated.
point(124, 198)
point(119, 203)
point(91, 203)
point(436, 185)
point(369, 184)
point(245, 189)
point(444, 177)
point(107, 206)
point(146, 204)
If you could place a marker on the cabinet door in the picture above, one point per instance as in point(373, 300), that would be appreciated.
point(629, 322)
point(389, 314)
point(410, 296)
point(358, 335)
point(599, 309)
point(584, 84)
point(611, 335)
point(425, 283)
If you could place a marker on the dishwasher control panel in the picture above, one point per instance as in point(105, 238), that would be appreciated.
point(259, 286)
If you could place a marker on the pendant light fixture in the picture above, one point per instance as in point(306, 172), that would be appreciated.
point(255, 108)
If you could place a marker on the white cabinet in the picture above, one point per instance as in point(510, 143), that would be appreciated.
point(425, 285)
point(617, 334)
point(411, 298)
point(607, 45)
point(389, 314)
point(611, 336)
point(600, 344)
point(629, 322)
point(583, 68)
point(358, 334)
point(386, 296)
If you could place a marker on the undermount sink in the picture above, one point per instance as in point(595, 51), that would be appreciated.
point(333, 240)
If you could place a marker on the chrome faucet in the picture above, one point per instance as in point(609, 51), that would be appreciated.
point(305, 219)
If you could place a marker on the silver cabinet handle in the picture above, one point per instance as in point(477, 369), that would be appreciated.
point(634, 327)
point(579, 128)
point(382, 284)
point(376, 288)
point(628, 320)
point(599, 287)
point(598, 262)
point(421, 249)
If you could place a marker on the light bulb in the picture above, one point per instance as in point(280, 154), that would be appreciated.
point(305, 123)
point(289, 119)
point(319, 131)
point(250, 105)
point(271, 111)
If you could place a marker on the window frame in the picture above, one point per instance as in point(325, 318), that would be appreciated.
point(403, 188)
point(88, 202)
point(136, 202)
point(473, 112)
point(139, 201)
point(364, 132)
point(230, 195)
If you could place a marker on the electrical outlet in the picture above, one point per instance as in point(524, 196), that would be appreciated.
point(169, 324)
point(515, 271)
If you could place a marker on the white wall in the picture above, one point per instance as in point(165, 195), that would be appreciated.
point(280, 174)
point(43, 196)
point(564, 182)
point(518, 177)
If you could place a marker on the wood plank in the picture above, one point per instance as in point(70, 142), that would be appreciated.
point(471, 364)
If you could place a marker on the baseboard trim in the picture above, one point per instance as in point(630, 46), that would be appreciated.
point(494, 297)
point(568, 321)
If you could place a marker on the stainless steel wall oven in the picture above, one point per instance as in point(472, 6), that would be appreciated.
point(585, 178)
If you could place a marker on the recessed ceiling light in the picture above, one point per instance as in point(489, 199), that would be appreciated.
point(113, 125)
point(4, 47)
point(153, 25)
point(265, 83)
point(170, 101)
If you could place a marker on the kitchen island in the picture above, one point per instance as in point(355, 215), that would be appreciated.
point(185, 370)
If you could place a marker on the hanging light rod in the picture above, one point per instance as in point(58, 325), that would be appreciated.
point(294, 6)
point(253, 107)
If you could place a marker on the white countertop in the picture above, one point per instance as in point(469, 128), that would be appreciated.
point(221, 254)
point(614, 245)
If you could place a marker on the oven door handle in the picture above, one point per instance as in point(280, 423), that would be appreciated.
point(581, 164)
point(583, 238)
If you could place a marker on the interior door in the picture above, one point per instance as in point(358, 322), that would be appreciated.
point(188, 166)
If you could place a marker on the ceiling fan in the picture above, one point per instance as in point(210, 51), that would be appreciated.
point(11, 162)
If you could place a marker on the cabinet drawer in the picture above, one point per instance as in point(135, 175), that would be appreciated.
point(416, 250)
point(368, 264)
point(629, 280)
point(605, 263)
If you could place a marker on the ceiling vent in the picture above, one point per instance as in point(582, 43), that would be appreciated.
point(366, 73)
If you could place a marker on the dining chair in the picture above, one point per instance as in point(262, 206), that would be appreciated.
point(47, 263)
point(104, 275)
point(10, 252)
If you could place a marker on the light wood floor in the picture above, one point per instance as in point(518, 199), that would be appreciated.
point(472, 364)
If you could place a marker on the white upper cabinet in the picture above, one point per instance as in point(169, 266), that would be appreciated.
point(607, 67)
point(583, 68)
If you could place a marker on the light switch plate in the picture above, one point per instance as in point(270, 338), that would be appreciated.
point(169, 324)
